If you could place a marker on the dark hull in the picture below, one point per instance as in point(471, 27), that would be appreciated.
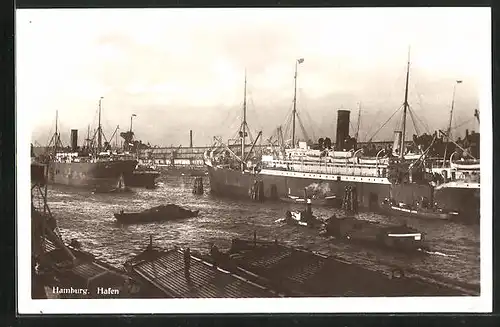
point(466, 201)
point(100, 176)
point(354, 230)
point(234, 183)
point(141, 179)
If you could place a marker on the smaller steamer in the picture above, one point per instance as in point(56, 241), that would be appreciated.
point(302, 218)
point(348, 227)
point(357, 230)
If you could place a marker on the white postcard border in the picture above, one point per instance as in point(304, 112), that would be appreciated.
point(482, 303)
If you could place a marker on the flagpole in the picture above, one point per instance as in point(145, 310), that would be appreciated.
point(244, 123)
point(294, 113)
point(99, 129)
point(405, 108)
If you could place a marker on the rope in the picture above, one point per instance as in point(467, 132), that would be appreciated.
point(311, 123)
point(308, 117)
point(254, 111)
point(371, 138)
point(464, 123)
point(288, 123)
point(419, 161)
point(426, 127)
point(413, 121)
point(304, 132)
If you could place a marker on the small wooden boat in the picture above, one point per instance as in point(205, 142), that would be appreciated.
point(392, 208)
point(353, 229)
point(158, 213)
point(142, 178)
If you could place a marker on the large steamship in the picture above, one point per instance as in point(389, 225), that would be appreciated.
point(393, 174)
point(93, 167)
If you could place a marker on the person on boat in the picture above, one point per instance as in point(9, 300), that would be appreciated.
point(308, 209)
point(121, 212)
point(425, 202)
point(215, 253)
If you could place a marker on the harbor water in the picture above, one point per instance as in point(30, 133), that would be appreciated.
point(88, 217)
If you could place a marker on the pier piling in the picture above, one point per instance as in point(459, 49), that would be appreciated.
point(198, 185)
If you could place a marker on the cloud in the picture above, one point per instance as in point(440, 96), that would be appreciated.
point(184, 69)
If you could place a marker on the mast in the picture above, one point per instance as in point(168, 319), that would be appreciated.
point(405, 105)
point(57, 117)
point(448, 130)
point(56, 135)
point(88, 137)
point(359, 120)
point(99, 131)
point(294, 105)
point(294, 113)
point(116, 136)
point(243, 125)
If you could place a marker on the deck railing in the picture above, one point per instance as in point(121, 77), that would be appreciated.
point(352, 169)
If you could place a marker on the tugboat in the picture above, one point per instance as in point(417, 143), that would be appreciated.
point(349, 227)
point(302, 218)
point(142, 176)
point(158, 213)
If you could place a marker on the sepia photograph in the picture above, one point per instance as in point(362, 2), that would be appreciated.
point(244, 160)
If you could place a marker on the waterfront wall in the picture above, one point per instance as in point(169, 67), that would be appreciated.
point(184, 154)
point(181, 156)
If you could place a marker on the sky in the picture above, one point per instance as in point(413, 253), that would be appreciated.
point(184, 69)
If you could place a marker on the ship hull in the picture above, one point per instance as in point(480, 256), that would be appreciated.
point(234, 183)
point(141, 179)
point(102, 176)
point(370, 194)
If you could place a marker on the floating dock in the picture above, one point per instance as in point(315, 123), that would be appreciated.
point(178, 274)
point(297, 272)
point(268, 269)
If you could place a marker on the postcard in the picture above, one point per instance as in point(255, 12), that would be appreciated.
point(254, 160)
